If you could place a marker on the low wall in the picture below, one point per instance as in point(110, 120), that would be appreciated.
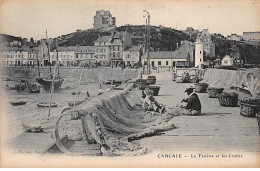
point(238, 78)
point(91, 75)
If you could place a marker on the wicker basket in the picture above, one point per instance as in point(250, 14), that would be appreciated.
point(258, 121)
point(151, 80)
point(214, 92)
point(201, 87)
point(228, 99)
point(143, 85)
point(248, 110)
point(152, 77)
point(155, 89)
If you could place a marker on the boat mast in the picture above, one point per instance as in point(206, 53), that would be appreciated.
point(58, 62)
point(38, 64)
point(48, 48)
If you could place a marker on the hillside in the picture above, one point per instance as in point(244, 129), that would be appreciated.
point(249, 53)
point(161, 38)
point(9, 38)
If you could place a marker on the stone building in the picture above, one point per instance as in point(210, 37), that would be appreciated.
point(104, 19)
point(234, 37)
point(208, 45)
point(251, 36)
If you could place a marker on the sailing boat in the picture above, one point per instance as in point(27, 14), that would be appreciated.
point(50, 79)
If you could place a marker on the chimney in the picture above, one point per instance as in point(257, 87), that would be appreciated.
point(177, 44)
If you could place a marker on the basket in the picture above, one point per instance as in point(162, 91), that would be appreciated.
point(151, 80)
point(152, 77)
point(228, 99)
point(248, 110)
point(214, 92)
point(258, 121)
point(155, 89)
point(201, 87)
point(143, 85)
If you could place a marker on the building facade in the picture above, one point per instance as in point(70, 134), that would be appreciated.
point(251, 36)
point(183, 56)
point(208, 45)
point(234, 37)
point(104, 19)
point(19, 56)
point(116, 51)
point(102, 50)
point(131, 55)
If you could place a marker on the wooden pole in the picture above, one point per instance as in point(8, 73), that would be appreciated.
point(52, 89)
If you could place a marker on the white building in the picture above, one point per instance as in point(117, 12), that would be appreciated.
point(227, 61)
point(199, 54)
point(14, 56)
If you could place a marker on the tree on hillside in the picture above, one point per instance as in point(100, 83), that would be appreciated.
point(31, 40)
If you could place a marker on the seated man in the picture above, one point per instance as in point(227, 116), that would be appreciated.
point(150, 104)
point(193, 106)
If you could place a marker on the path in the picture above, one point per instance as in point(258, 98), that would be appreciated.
point(218, 129)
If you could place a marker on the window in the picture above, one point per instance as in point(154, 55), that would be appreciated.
point(200, 52)
point(77, 56)
point(43, 55)
point(152, 63)
point(159, 63)
point(167, 63)
point(104, 50)
point(225, 61)
point(97, 50)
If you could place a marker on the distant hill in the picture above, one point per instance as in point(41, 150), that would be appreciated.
point(161, 38)
point(249, 53)
point(9, 38)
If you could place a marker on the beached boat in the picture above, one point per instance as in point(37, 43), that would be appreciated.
point(47, 82)
point(16, 103)
point(46, 104)
point(34, 91)
point(51, 79)
point(78, 102)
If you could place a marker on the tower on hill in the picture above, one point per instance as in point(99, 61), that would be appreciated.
point(104, 19)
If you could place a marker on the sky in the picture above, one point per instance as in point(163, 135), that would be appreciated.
point(30, 18)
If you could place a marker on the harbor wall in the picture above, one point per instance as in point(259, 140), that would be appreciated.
point(72, 74)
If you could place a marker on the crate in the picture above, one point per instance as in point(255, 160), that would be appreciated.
point(214, 92)
point(228, 99)
point(155, 89)
point(249, 110)
point(201, 87)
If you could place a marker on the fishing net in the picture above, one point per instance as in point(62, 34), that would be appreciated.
point(226, 78)
point(114, 120)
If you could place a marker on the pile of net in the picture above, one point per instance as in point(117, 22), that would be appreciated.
point(227, 78)
point(113, 121)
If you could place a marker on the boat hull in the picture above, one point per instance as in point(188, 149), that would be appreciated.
point(46, 83)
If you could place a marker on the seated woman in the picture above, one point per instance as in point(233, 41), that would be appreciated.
point(150, 104)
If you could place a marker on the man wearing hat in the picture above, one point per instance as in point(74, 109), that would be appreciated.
point(193, 106)
point(150, 104)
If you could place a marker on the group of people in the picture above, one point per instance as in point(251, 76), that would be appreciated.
point(193, 106)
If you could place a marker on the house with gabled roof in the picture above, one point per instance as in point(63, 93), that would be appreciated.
point(183, 56)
